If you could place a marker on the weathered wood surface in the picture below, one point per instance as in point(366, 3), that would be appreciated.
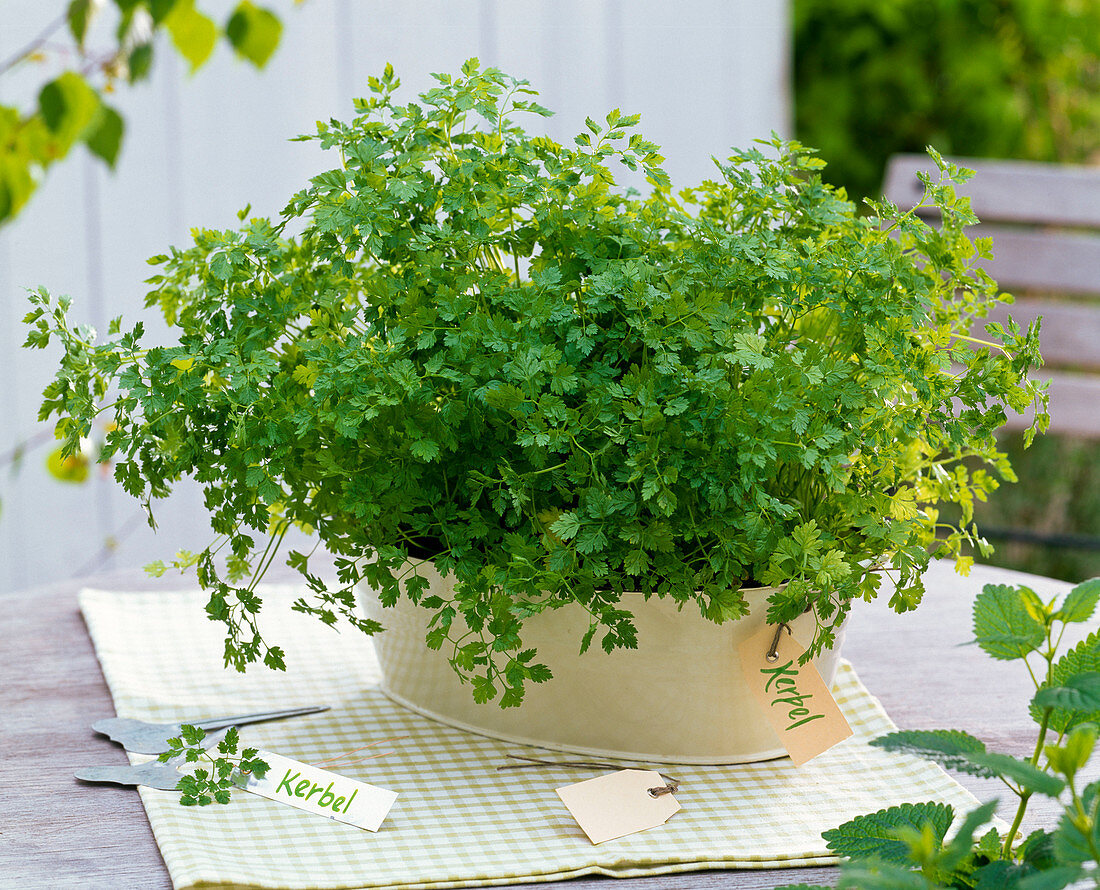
point(1028, 192)
point(1044, 260)
point(1074, 405)
point(58, 833)
point(1068, 330)
point(1044, 220)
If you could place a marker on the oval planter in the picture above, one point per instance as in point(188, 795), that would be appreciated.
point(678, 698)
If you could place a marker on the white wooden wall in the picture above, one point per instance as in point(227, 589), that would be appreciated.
point(704, 74)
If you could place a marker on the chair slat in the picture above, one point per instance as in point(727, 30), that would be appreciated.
point(1043, 260)
point(1039, 217)
point(1074, 405)
point(1069, 332)
point(1008, 191)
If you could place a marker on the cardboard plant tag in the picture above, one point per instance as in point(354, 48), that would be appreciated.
point(618, 804)
point(320, 792)
point(798, 704)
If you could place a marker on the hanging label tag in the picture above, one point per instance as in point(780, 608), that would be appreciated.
point(322, 793)
point(797, 702)
point(618, 804)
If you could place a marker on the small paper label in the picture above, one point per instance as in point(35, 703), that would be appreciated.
point(618, 804)
point(798, 704)
point(322, 793)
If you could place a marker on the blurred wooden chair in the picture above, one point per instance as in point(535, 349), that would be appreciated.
point(1044, 220)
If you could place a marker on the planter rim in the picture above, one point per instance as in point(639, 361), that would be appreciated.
point(759, 588)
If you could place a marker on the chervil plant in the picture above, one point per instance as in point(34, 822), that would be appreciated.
point(464, 343)
point(906, 846)
point(213, 782)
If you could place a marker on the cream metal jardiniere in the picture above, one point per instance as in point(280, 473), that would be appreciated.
point(680, 697)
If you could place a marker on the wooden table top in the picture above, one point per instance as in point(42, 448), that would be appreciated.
point(57, 832)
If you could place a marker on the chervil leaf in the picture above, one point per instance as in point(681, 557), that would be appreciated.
point(566, 526)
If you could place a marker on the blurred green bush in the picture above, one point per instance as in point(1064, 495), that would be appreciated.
point(974, 78)
point(978, 78)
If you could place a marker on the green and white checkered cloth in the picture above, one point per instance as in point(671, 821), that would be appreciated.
point(458, 821)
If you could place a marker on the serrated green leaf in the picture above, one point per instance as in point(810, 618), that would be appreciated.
point(1074, 838)
point(1080, 602)
point(1069, 757)
point(1081, 692)
point(254, 32)
point(876, 835)
point(220, 267)
point(1000, 875)
point(1038, 849)
point(1084, 658)
point(1028, 777)
point(990, 844)
point(191, 734)
point(960, 849)
point(566, 526)
point(1056, 878)
point(951, 748)
point(425, 449)
point(1006, 621)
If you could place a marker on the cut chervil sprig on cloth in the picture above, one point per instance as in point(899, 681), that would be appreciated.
point(458, 820)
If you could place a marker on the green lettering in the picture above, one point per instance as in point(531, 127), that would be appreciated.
point(781, 671)
point(316, 789)
point(286, 781)
point(328, 793)
point(807, 720)
point(796, 699)
point(301, 788)
point(350, 799)
point(784, 679)
point(337, 804)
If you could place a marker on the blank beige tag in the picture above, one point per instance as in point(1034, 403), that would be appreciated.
point(799, 706)
point(618, 804)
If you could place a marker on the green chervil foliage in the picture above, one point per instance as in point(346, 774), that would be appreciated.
point(478, 350)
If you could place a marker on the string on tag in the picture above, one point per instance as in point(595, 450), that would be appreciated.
point(672, 786)
point(346, 754)
point(773, 649)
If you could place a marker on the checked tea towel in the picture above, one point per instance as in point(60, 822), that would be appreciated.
point(458, 822)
